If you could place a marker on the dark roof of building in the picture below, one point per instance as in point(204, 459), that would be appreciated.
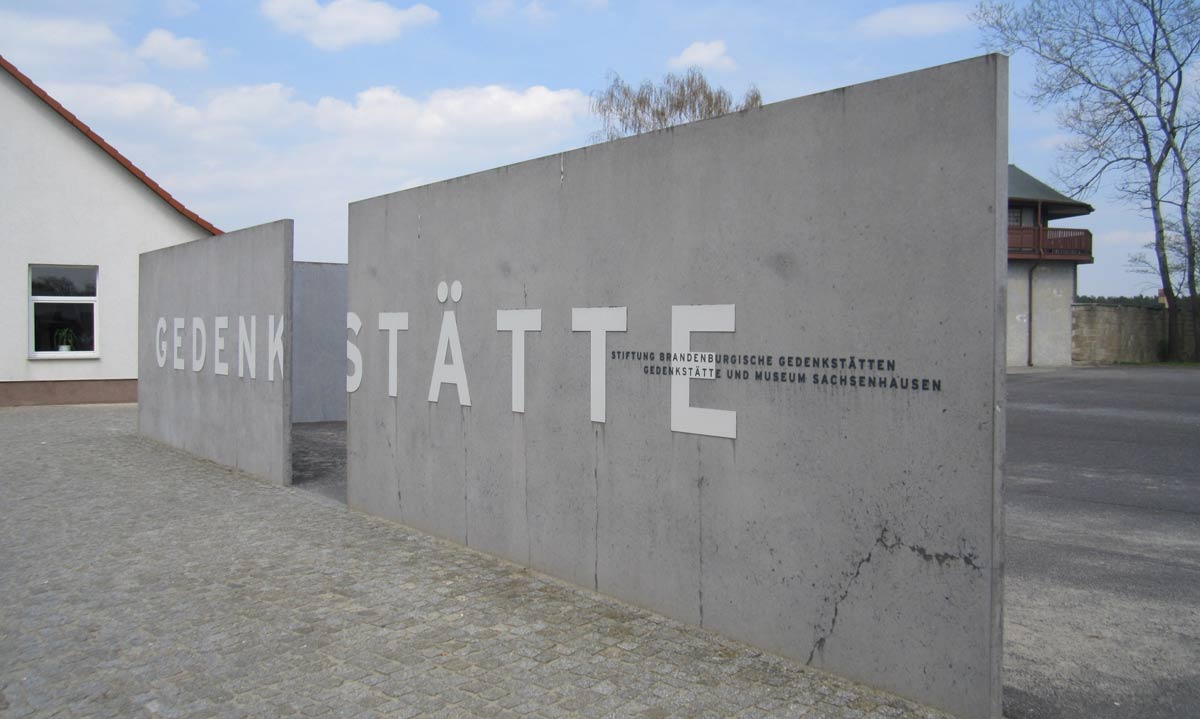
point(1024, 186)
point(109, 149)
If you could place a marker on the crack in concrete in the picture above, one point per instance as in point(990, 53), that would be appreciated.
point(820, 643)
point(969, 559)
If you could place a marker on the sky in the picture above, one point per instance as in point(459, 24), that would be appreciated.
point(249, 111)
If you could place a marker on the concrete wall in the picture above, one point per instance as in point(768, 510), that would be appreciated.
point(1108, 334)
point(64, 201)
point(232, 404)
point(319, 344)
point(853, 526)
point(1053, 292)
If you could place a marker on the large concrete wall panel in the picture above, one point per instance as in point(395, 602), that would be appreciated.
point(855, 520)
point(319, 346)
point(221, 413)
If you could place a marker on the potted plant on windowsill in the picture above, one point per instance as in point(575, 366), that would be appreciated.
point(65, 339)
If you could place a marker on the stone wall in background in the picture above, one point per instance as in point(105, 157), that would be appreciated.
point(1111, 334)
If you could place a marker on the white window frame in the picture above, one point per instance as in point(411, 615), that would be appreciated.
point(52, 299)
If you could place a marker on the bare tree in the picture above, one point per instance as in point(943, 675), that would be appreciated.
point(676, 100)
point(1185, 249)
point(1145, 263)
point(1116, 70)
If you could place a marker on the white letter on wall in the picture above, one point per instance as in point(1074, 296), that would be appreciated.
point(354, 379)
point(390, 322)
point(275, 346)
point(454, 372)
point(518, 322)
point(598, 321)
point(199, 346)
point(177, 340)
point(247, 346)
point(686, 319)
point(220, 324)
point(160, 342)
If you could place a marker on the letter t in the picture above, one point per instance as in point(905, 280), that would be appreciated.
point(598, 321)
point(518, 322)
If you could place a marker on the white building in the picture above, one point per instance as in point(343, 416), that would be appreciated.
point(74, 215)
point(1043, 271)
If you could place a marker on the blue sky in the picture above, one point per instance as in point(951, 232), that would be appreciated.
point(249, 111)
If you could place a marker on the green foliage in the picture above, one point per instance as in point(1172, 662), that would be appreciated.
point(678, 99)
point(65, 336)
point(1138, 301)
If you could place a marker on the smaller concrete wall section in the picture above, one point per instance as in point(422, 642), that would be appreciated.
point(1109, 334)
point(319, 342)
point(214, 348)
point(1048, 324)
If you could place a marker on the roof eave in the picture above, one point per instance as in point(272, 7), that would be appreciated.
point(103, 145)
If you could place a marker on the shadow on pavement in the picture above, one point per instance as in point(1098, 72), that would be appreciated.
point(319, 458)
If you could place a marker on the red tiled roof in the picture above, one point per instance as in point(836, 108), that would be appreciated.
point(112, 151)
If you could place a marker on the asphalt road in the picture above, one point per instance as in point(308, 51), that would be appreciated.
point(1102, 584)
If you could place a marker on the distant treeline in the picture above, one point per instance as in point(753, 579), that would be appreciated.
point(1139, 301)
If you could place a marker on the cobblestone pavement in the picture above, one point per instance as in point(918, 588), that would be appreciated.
point(319, 458)
point(137, 581)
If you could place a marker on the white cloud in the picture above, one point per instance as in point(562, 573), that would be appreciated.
point(708, 55)
point(476, 114)
point(126, 101)
point(179, 8)
point(255, 107)
point(496, 10)
point(244, 155)
point(916, 20)
point(178, 53)
point(538, 12)
point(1052, 142)
point(42, 46)
point(342, 23)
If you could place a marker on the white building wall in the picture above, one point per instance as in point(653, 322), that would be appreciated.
point(1053, 293)
point(1018, 313)
point(63, 200)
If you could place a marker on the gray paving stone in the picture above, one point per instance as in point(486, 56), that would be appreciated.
point(138, 581)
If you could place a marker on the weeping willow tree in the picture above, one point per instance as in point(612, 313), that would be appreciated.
point(626, 110)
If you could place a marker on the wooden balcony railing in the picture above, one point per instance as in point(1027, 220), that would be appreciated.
point(1049, 243)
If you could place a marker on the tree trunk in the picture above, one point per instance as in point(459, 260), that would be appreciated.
point(1189, 245)
point(1164, 267)
point(1193, 300)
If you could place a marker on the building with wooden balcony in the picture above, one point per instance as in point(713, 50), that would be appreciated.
point(1043, 264)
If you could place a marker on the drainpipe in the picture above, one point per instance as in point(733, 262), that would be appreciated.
point(1029, 291)
point(1029, 311)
